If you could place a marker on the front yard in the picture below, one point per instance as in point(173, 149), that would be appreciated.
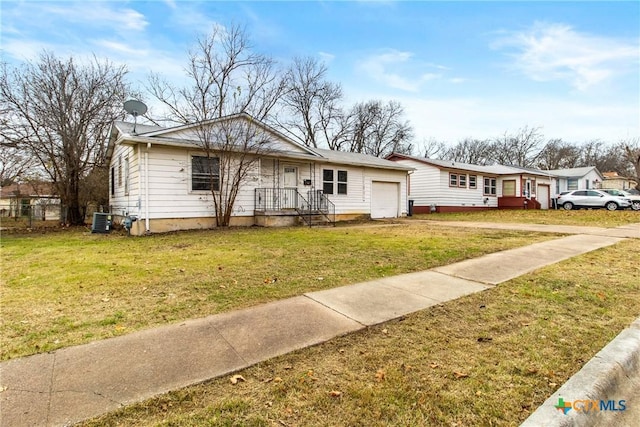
point(590, 217)
point(488, 359)
point(485, 359)
point(67, 288)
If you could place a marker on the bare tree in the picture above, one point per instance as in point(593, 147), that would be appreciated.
point(431, 148)
point(226, 77)
point(631, 150)
point(14, 163)
point(520, 148)
point(15, 160)
point(311, 113)
point(469, 150)
point(229, 84)
point(61, 111)
point(558, 154)
point(379, 129)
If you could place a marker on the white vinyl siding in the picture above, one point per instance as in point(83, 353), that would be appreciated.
point(170, 194)
point(431, 185)
point(359, 186)
point(124, 180)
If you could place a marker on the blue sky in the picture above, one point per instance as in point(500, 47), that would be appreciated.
point(460, 69)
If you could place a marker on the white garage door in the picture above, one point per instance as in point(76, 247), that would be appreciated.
point(385, 198)
point(543, 196)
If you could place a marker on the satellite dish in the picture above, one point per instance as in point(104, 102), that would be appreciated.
point(135, 108)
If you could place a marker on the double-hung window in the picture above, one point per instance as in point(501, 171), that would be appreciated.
point(473, 181)
point(572, 184)
point(342, 182)
point(334, 182)
point(327, 181)
point(489, 187)
point(205, 173)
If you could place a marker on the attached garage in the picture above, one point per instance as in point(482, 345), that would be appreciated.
point(385, 199)
point(543, 196)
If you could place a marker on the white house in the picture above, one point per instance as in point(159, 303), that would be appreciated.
point(156, 176)
point(584, 178)
point(447, 186)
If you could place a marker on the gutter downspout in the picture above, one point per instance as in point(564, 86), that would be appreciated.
point(146, 189)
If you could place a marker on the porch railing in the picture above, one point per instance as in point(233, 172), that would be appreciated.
point(276, 199)
point(310, 207)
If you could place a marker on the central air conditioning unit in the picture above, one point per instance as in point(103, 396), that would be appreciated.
point(101, 223)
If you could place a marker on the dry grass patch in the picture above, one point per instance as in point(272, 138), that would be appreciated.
point(67, 288)
point(487, 359)
point(593, 218)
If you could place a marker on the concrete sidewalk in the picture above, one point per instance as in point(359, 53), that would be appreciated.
point(631, 231)
point(77, 383)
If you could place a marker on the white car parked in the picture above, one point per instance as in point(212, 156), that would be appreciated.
point(635, 199)
point(577, 199)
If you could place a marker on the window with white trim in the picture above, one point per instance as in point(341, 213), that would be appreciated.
point(126, 176)
point(572, 184)
point(327, 181)
point(342, 182)
point(205, 173)
point(453, 180)
point(489, 187)
point(462, 180)
point(334, 183)
point(473, 181)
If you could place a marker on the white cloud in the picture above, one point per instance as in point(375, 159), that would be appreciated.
point(326, 57)
point(549, 52)
point(171, 3)
point(397, 70)
point(93, 14)
point(123, 48)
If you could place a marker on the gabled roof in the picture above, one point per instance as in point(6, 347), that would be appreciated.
point(28, 189)
point(123, 131)
point(575, 172)
point(500, 169)
point(358, 159)
point(487, 170)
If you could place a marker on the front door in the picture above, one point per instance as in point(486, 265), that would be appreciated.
point(290, 177)
point(290, 181)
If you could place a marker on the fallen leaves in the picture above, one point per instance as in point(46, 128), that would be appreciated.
point(380, 375)
point(335, 393)
point(460, 375)
point(236, 378)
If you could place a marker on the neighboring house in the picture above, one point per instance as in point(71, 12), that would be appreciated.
point(613, 180)
point(155, 176)
point(448, 186)
point(34, 199)
point(584, 178)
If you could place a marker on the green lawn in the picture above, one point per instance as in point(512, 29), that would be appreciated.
point(72, 287)
point(593, 218)
point(485, 359)
point(488, 359)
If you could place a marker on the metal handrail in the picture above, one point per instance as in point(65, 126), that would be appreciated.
point(315, 203)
